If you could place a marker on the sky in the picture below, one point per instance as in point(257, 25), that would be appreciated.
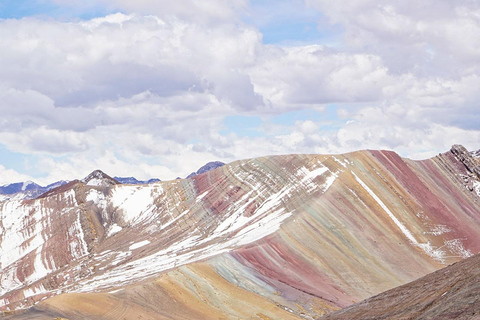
point(157, 88)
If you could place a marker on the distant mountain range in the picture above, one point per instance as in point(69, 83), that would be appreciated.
point(26, 190)
point(209, 166)
point(31, 190)
point(132, 180)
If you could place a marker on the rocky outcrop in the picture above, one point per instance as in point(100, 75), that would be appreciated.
point(471, 162)
point(468, 159)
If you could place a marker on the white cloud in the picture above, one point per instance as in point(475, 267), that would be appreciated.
point(428, 37)
point(293, 77)
point(121, 72)
point(145, 92)
point(8, 176)
point(42, 139)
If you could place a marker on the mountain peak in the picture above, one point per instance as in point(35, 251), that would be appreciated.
point(99, 178)
point(209, 166)
point(469, 159)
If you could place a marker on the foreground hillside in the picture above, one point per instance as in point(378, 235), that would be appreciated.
point(281, 237)
point(450, 293)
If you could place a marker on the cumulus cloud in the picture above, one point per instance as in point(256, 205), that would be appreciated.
point(152, 85)
point(295, 77)
point(428, 37)
point(121, 69)
point(8, 176)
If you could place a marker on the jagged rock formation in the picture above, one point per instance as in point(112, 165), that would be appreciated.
point(281, 237)
point(450, 293)
point(469, 160)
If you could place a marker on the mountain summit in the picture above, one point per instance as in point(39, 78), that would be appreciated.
point(99, 178)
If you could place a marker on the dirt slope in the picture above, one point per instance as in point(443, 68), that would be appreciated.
point(449, 293)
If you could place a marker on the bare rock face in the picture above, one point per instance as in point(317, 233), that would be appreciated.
point(471, 162)
point(280, 237)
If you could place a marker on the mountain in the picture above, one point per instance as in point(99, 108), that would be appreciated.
point(277, 237)
point(209, 166)
point(31, 190)
point(25, 190)
point(132, 180)
point(100, 179)
point(450, 293)
point(19, 187)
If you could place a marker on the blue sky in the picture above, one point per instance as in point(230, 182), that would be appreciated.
point(158, 88)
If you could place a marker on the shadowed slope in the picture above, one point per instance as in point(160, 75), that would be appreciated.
point(449, 293)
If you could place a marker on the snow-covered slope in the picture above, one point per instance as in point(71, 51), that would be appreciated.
point(275, 237)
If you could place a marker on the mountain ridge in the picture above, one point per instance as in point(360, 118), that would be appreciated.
point(31, 190)
point(303, 234)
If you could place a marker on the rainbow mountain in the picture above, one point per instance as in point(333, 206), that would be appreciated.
point(277, 237)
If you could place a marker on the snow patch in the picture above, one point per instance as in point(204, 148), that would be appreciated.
point(201, 196)
point(328, 183)
point(476, 187)
point(95, 182)
point(309, 176)
point(343, 164)
point(114, 228)
point(40, 268)
point(314, 173)
point(426, 247)
point(456, 246)
point(132, 200)
point(138, 245)
point(26, 184)
point(439, 229)
point(78, 246)
point(33, 291)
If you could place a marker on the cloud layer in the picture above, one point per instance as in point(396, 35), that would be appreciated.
point(146, 92)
